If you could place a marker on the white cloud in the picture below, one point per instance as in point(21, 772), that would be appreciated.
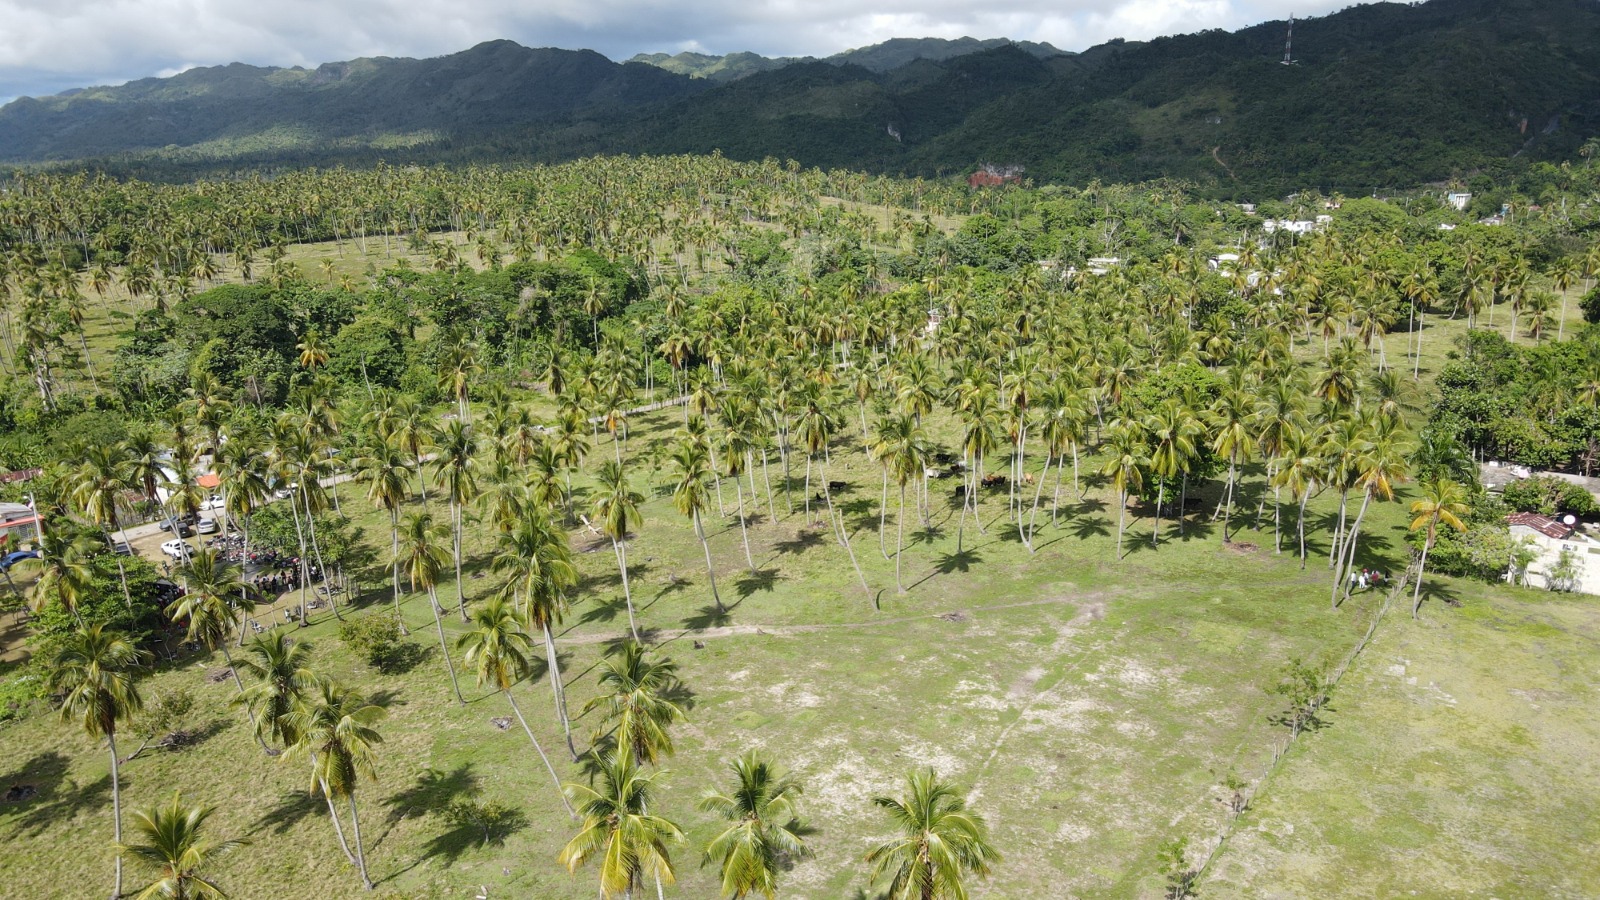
point(50, 45)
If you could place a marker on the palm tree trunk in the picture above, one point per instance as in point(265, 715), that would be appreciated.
point(1416, 594)
point(361, 855)
point(394, 530)
point(1348, 552)
point(745, 532)
point(1161, 497)
point(961, 526)
point(883, 512)
point(1038, 490)
point(305, 576)
point(809, 520)
point(248, 711)
point(116, 810)
point(1335, 551)
point(1122, 518)
point(338, 828)
point(620, 549)
point(461, 589)
point(1300, 526)
point(438, 621)
point(838, 524)
point(711, 573)
point(558, 689)
point(553, 776)
point(899, 538)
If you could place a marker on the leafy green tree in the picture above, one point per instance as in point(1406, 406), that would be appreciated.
point(335, 728)
point(174, 848)
point(638, 700)
point(691, 497)
point(763, 831)
point(423, 557)
point(938, 844)
point(215, 602)
point(93, 674)
point(1443, 501)
point(617, 507)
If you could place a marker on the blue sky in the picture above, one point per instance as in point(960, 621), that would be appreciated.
point(47, 46)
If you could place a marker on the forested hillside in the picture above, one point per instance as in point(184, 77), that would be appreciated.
point(1378, 97)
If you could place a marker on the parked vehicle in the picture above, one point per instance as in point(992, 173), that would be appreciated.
point(183, 527)
point(177, 548)
point(207, 526)
point(14, 557)
point(213, 502)
point(121, 548)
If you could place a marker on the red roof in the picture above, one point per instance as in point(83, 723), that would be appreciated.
point(20, 475)
point(1543, 524)
point(209, 480)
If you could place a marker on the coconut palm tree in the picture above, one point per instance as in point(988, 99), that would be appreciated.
point(335, 728)
point(383, 469)
point(1233, 417)
point(98, 482)
point(537, 561)
point(617, 829)
point(1385, 463)
point(903, 448)
point(497, 649)
point(423, 557)
point(1172, 431)
point(278, 665)
point(1125, 467)
point(64, 571)
point(174, 848)
point(215, 603)
point(763, 828)
point(637, 700)
point(1298, 467)
point(455, 466)
point(939, 842)
point(1443, 501)
point(93, 674)
point(616, 506)
point(691, 497)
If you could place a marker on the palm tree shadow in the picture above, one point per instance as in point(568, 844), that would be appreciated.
point(804, 539)
point(432, 790)
point(711, 617)
point(601, 611)
point(1436, 590)
point(763, 580)
point(293, 806)
point(960, 561)
point(35, 787)
point(927, 534)
point(1088, 528)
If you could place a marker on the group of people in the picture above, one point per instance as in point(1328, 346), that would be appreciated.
point(283, 580)
point(1366, 578)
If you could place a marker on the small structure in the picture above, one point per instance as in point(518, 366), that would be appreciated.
point(1568, 559)
point(1458, 199)
point(989, 175)
point(1292, 226)
point(18, 522)
point(1100, 265)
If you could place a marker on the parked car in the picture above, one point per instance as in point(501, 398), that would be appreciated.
point(14, 557)
point(207, 526)
point(177, 548)
point(183, 527)
point(212, 502)
point(121, 548)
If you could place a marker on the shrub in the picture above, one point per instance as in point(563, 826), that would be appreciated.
point(1548, 496)
point(375, 638)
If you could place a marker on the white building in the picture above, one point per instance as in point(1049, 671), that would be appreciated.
point(1292, 226)
point(1558, 543)
point(1458, 200)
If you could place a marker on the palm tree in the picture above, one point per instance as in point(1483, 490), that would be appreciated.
point(175, 850)
point(1444, 501)
point(334, 727)
point(94, 676)
point(278, 664)
point(383, 468)
point(691, 497)
point(763, 828)
point(1172, 429)
point(1297, 468)
point(215, 603)
point(618, 830)
point(1125, 466)
point(902, 447)
point(64, 571)
point(455, 465)
point(938, 844)
point(1384, 464)
point(637, 701)
point(1233, 415)
point(100, 481)
point(537, 561)
point(497, 648)
point(423, 557)
point(617, 508)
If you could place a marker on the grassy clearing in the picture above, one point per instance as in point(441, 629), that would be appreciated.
point(1458, 760)
point(1091, 704)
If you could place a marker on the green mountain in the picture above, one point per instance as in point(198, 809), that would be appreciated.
point(884, 57)
point(1381, 95)
point(380, 102)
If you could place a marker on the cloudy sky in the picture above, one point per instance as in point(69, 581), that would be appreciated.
point(47, 46)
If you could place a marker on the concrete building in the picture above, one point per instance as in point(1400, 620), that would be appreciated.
point(1567, 556)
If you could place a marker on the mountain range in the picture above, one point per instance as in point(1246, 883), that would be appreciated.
point(1376, 96)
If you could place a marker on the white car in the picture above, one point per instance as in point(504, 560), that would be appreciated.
point(212, 502)
point(177, 548)
point(207, 526)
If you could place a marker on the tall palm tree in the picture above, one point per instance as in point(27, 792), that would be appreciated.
point(383, 469)
point(763, 828)
point(215, 604)
point(939, 842)
point(637, 700)
point(497, 649)
point(336, 728)
point(99, 482)
point(617, 829)
point(902, 447)
point(279, 666)
point(94, 676)
point(174, 848)
point(617, 507)
point(537, 561)
point(1125, 467)
point(1233, 417)
point(1297, 468)
point(691, 497)
point(455, 465)
point(423, 557)
point(64, 571)
point(1384, 464)
point(1443, 501)
point(1172, 431)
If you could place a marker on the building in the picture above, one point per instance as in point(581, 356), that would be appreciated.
point(18, 523)
point(1568, 559)
point(1458, 200)
point(994, 176)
